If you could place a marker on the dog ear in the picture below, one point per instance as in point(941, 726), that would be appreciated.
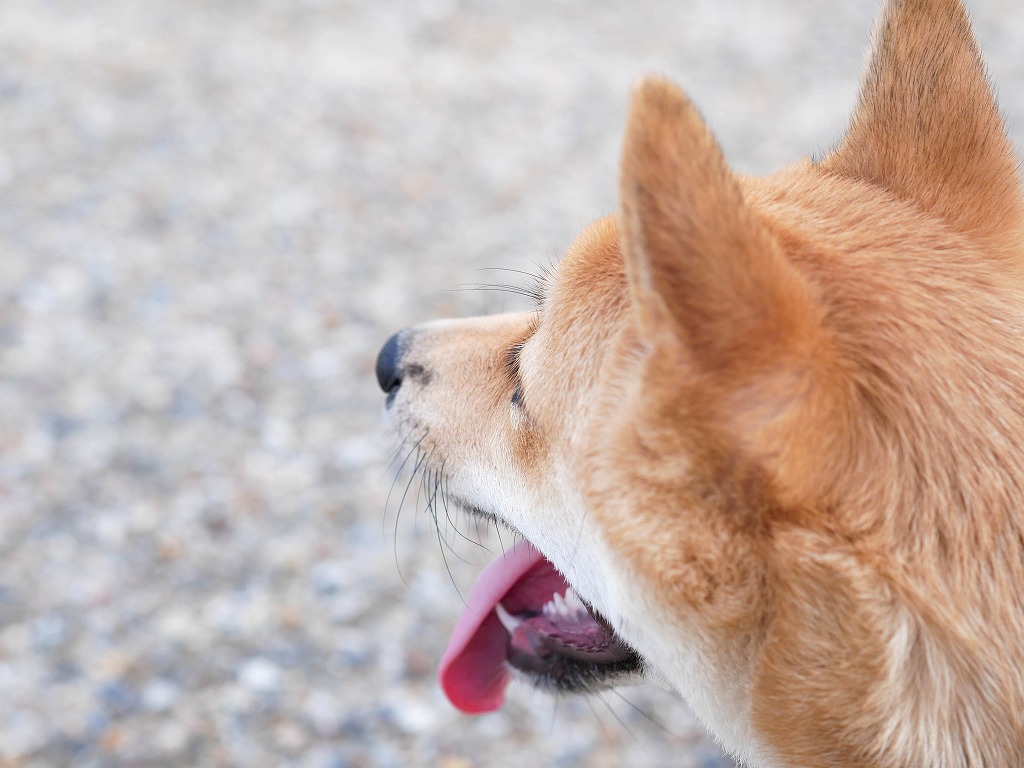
point(927, 127)
point(706, 276)
point(722, 314)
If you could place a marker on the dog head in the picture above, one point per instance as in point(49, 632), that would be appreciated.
point(767, 430)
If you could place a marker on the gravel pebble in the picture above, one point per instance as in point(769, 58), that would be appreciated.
point(213, 215)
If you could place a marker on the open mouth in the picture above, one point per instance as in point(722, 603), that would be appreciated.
point(521, 614)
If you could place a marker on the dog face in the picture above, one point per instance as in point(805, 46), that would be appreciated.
point(764, 434)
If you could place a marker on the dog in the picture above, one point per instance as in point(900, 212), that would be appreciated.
point(763, 438)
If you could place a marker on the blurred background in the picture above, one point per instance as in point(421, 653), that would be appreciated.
point(212, 213)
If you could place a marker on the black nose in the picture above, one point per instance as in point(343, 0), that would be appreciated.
point(389, 369)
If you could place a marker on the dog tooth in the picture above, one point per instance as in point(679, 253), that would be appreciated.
point(570, 608)
point(560, 604)
point(568, 605)
point(508, 621)
point(574, 603)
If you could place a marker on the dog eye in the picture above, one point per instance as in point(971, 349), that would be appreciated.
point(512, 358)
point(512, 366)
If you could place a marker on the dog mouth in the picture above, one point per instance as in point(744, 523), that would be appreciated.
point(522, 615)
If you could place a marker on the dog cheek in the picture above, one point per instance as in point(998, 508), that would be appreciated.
point(529, 450)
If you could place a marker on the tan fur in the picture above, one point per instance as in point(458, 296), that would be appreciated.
point(787, 415)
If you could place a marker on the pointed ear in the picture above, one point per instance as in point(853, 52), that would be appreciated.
point(706, 276)
point(927, 127)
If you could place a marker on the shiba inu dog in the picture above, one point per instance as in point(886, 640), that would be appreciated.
point(764, 437)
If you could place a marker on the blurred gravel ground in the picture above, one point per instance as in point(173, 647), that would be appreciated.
point(211, 215)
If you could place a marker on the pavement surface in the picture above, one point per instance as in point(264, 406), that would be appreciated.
point(212, 213)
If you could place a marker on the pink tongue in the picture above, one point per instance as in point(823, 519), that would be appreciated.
point(473, 673)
